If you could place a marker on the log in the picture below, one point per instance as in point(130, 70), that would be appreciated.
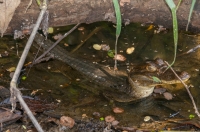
point(67, 12)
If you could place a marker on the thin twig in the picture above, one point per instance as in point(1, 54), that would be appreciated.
point(33, 61)
point(115, 66)
point(89, 36)
point(65, 35)
point(29, 4)
point(15, 93)
point(187, 88)
point(190, 51)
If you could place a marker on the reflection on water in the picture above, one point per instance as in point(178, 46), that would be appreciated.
point(58, 81)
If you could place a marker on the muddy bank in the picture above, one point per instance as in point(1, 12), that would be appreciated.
point(69, 12)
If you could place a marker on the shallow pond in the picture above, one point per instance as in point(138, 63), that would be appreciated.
point(57, 82)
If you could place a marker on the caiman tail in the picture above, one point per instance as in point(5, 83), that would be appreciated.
point(93, 72)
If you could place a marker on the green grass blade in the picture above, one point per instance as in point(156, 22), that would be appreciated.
point(175, 31)
point(190, 14)
point(172, 6)
point(118, 16)
point(119, 24)
point(178, 4)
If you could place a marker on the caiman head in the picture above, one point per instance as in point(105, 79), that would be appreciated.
point(144, 77)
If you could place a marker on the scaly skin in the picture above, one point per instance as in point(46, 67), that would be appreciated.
point(140, 79)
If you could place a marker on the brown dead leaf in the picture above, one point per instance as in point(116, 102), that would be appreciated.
point(119, 57)
point(7, 9)
point(67, 121)
point(168, 95)
point(122, 2)
point(58, 36)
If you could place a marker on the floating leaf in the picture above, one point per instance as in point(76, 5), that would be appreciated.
point(23, 77)
point(105, 47)
point(191, 116)
point(119, 57)
point(130, 50)
point(155, 79)
point(11, 69)
point(97, 46)
point(24, 127)
point(111, 53)
point(50, 30)
point(101, 119)
point(150, 27)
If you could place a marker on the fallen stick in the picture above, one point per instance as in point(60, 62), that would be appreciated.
point(15, 93)
point(187, 88)
point(65, 35)
point(190, 51)
point(89, 36)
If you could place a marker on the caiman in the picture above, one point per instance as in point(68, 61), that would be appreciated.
point(122, 87)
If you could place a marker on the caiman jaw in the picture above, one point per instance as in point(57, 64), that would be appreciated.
point(140, 91)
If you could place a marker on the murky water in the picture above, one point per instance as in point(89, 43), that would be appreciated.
point(58, 82)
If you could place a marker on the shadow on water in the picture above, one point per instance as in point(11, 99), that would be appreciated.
point(57, 81)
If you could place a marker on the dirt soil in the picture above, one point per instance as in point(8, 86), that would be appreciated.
point(67, 12)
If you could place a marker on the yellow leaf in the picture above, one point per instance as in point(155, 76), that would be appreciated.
point(150, 27)
point(11, 69)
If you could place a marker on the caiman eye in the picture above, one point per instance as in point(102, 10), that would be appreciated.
point(184, 75)
point(151, 68)
point(159, 62)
